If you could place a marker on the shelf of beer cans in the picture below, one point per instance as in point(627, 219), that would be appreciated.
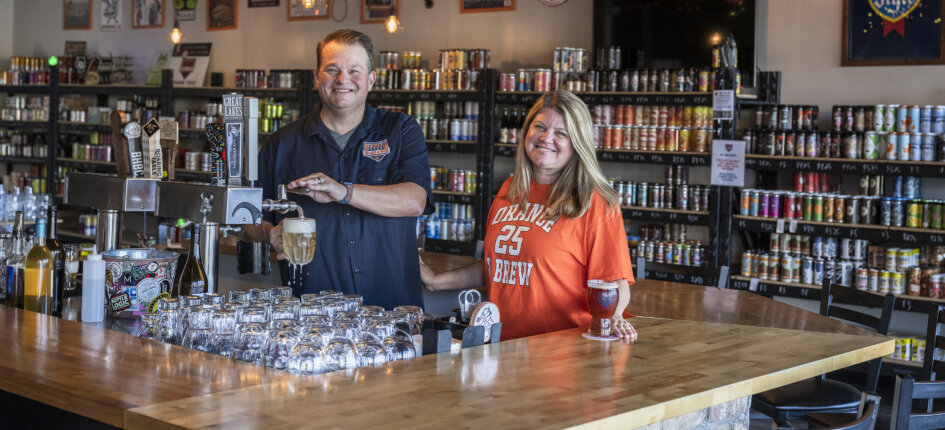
point(871, 232)
point(457, 146)
point(217, 92)
point(84, 127)
point(699, 275)
point(689, 98)
point(24, 160)
point(666, 215)
point(770, 288)
point(24, 89)
point(631, 156)
point(455, 247)
point(851, 166)
point(454, 197)
point(24, 124)
point(377, 95)
point(110, 89)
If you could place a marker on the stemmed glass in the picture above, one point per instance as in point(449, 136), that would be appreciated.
point(298, 243)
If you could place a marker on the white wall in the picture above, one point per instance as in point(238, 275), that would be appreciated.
point(6, 32)
point(266, 40)
point(804, 41)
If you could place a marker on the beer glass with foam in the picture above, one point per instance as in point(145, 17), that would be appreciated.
point(298, 240)
point(601, 302)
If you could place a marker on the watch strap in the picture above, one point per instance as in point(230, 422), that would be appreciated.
point(349, 189)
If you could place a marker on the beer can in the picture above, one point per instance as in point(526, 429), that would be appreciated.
point(763, 203)
point(898, 212)
point(884, 282)
point(786, 268)
point(918, 349)
point(892, 146)
point(830, 271)
point(808, 207)
point(879, 115)
point(904, 146)
point(925, 119)
point(807, 270)
point(871, 145)
point(828, 207)
point(913, 213)
point(873, 284)
point(851, 148)
point(698, 255)
point(892, 258)
point(755, 208)
point(938, 119)
point(914, 281)
point(935, 286)
point(913, 118)
point(935, 218)
point(839, 208)
point(885, 217)
point(817, 212)
point(876, 185)
point(746, 263)
point(745, 208)
point(889, 119)
point(862, 279)
point(902, 119)
point(819, 270)
point(897, 283)
point(929, 141)
point(846, 248)
point(844, 274)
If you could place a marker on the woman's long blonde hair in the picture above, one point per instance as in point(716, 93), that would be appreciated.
point(572, 192)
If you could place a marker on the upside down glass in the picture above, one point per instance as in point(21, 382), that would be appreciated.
point(601, 303)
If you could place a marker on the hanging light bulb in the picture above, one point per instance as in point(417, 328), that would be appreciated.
point(308, 4)
point(176, 35)
point(392, 23)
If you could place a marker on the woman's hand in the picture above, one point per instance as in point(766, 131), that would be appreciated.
point(623, 329)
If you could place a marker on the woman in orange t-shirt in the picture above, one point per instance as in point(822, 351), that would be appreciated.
point(554, 225)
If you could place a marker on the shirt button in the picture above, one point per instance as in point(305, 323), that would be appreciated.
point(351, 242)
point(357, 270)
point(347, 212)
point(380, 178)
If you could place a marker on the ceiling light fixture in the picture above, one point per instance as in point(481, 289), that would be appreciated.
point(176, 35)
point(392, 23)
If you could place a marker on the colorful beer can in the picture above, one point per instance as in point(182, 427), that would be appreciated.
point(892, 145)
point(938, 119)
point(889, 119)
point(914, 116)
point(871, 145)
point(817, 212)
point(925, 119)
point(904, 146)
point(913, 213)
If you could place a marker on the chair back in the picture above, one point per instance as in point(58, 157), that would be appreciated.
point(833, 294)
point(869, 410)
point(934, 340)
point(907, 390)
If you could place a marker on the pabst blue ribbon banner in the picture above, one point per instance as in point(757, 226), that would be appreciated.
point(893, 32)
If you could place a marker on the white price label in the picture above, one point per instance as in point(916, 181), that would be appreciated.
point(793, 226)
point(753, 284)
point(780, 228)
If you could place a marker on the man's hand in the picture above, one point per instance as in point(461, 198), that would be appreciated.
point(275, 240)
point(320, 187)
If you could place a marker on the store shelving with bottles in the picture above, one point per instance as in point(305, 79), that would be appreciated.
point(511, 106)
point(855, 148)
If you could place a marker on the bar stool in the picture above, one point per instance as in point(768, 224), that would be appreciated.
point(821, 395)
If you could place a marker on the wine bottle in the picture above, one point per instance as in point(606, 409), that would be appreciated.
point(192, 279)
point(59, 263)
point(37, 280)
point(16, 263)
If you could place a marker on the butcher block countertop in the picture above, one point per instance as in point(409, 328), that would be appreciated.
point(698, 346)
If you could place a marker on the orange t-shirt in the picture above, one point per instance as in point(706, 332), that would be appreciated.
point(537, 271)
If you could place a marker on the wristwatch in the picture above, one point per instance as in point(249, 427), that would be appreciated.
point(350, 188)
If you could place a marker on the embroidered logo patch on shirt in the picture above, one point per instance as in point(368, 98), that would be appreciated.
point(376, 150)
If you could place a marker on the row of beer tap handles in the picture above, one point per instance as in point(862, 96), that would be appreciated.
point(153, 153)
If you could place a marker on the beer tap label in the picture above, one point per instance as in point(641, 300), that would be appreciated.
point(154, 161)
point(233, 118)
point(132, 132)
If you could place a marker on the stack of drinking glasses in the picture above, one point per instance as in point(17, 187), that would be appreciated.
point(314, 334)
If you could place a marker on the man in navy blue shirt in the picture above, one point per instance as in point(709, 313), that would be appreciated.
point(367, 177)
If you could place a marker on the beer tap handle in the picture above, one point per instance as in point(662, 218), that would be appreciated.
point(132, 132)
point(251, 111)
point(117, 120)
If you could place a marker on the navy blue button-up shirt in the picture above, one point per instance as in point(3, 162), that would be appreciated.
point(356, 252)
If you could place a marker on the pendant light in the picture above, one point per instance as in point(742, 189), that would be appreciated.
point(392, 23)
point(176, 35)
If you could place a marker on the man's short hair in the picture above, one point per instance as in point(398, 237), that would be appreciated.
point(347, 37)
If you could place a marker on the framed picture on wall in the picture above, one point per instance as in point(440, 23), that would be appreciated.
point(147, 13)
point(885, 33)
point(319, 10)
point(76, 14)
point(373, 11)
point(221, 15)
point(467, 6)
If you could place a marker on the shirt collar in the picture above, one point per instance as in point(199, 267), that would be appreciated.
point(315, 126)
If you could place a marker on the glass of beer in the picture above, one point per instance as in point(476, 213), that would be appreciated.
point(298, 240)
point(601, 302)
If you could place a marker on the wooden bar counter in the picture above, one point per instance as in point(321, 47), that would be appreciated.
point(697, 347)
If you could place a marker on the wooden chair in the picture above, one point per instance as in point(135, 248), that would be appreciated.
point(934, 339)
point(907, 390)
point(821, 395)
